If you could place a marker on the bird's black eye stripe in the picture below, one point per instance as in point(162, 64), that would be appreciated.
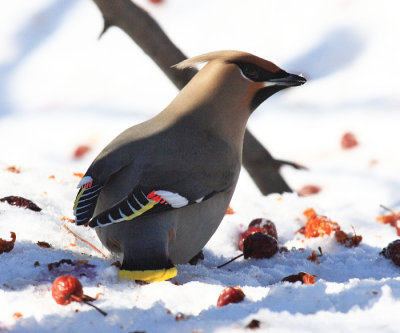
point(251, 71)
point(258, 74)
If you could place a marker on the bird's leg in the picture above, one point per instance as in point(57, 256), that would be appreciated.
point(145, 250)
point(196, 258)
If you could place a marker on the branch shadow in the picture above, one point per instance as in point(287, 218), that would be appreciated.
point(29, 38)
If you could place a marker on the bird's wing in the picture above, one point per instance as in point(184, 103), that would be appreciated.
point(114, 157)
point(139, 203)
point(86, 199)
point(163, 181)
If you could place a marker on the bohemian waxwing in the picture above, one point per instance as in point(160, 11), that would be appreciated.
point(160, 189)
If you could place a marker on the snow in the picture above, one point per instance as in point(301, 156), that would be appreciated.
point(61, 87)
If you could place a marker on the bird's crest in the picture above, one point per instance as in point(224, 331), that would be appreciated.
point(228, 56)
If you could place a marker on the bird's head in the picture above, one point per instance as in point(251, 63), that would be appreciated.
point(260, 78)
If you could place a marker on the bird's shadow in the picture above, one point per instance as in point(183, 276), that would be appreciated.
point(28, 265)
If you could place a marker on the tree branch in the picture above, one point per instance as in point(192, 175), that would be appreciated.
point(149, 36)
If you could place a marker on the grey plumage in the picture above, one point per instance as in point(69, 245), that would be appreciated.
point(175, 174)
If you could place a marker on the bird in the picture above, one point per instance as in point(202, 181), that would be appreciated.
point(158, 191)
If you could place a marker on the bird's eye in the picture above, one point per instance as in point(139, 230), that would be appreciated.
point(250, 71)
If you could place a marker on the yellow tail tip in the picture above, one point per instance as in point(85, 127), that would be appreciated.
point(149, 275)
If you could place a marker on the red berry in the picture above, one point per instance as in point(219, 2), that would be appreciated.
point(392, 251)
point(309, 190)
point(156, 1)
point(66, 289)
point(259, 245)
point(14, 200)
point(245, 234)
point(230, 295)
point(7, 246)
point(302, 277)
point(349, 141)
point(267, 226)
point(81, 150)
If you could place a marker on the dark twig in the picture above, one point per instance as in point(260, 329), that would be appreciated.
point(233, 259)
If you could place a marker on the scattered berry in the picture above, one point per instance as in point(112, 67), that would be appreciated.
point(17, 315)
point(309, 190)
point(314, 256)
point(67, 288)
point(349, 141)
point(253, 324)
point(348, 241)
point(302, 277)
point(180, 316)
point(259, 245)
point(245, 234)
point(393, 219)
point(66, 219)
point(13, 169)
point(230, 295)
point(7, 246)
point(78, 174)
point(317, 225)
point(392, 251)
point(267, 226)
point(21, 202)
point(81, 151)
point(44, 245)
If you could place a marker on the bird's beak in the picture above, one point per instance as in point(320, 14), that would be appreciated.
point(289, 80)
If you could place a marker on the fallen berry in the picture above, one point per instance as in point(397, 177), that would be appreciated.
point(14, 200)
point(348, 241)
point(67, 288)
point(245, 234)
point(302, 277)
point(13, 169)
point(393, 219)
point(267, 226)
point(17, 315)
point(180, 316)
point(314, 256)
point(44, 245)
point(253, 324)
point(230, 295)
point(81, 151)
point(67, 219)
point(317, 225)
point(308, 190)
point(259, 245)
point(348, 141)
point(78, 174)
point(392, 251)
point(7, 246)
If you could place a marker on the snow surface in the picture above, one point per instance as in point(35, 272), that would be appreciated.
point(61, 87)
